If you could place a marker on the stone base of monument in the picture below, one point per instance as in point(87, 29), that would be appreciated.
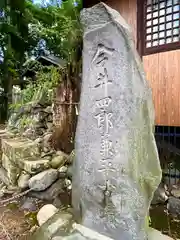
point(154, 234)
point(62, 227)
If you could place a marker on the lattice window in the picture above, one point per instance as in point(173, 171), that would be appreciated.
point(161, 25)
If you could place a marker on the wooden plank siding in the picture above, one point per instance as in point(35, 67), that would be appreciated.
point(163, 73)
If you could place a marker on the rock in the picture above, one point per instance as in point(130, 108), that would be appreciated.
point(59, 160)
point(29, 133)
point(3, 134)
point(18, 149)
point(40, 131)
point(50, 118)
point(46, 149)
point(59, 223)
point(176, 192)
point(33, 229)
point(34, 166)
point(2, 191)
point(12, 170)
point(51, 193)
point(13, 189)
point(45, 213)
point(116, 155)
point(78, 236)
point(49, 157)
point(3, 176)
point(70, 171)
point(43, 155)
point(39, 140)
point(72, 157)
point(47, 139)
point(43, 180)
point(23, 180)
point(48, 110)
point(50, 126)
point(57, 238)
point(57, 202)
point(173, 206)
point(160, 195)
point(68, 184)
point(29, 204)
point(63, 171)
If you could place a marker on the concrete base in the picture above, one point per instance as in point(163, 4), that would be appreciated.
point(157, 235)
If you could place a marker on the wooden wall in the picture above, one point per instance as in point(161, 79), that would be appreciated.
point(163, 73)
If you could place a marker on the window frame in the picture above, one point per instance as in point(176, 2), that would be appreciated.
point(141, 34)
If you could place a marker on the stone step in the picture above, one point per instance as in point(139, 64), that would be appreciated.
point(3, 176)
point(12, 170)
point(3, 134)
point(19, 148)
point(29, 165)
point(34, 166)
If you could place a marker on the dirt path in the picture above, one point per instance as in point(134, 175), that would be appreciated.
point(13, 224)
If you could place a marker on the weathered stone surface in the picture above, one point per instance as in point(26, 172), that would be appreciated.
point(176, 191)
point(160, 195)
point(3, 134)
point(19, 148)
point(75, 236)
point(2, 190)
point(51, 193)
point(48, 110)
point(68, 184)
point(154, 234)
point(70, 171)
point(43, 180)
point(45, 213)
point(57, 238)
point(32, 166)
point(29, 204)
point(3, 176)
point(59, 224)
point(57, 203)
point(12, 170)
point(23, 180)
point(49, 126)
point(117, 169)
point(79, 232)
point(63, 171)
point(72, 157)
point(47, 139)
point(173, 206)
point(59, 160)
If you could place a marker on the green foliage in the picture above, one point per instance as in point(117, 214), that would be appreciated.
point(148, 221)
point(58, 26)
point(47, 79)
point(31, 218)
point(25, 121)
point(23, 25)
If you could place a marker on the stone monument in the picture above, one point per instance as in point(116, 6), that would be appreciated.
point(117, 169)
